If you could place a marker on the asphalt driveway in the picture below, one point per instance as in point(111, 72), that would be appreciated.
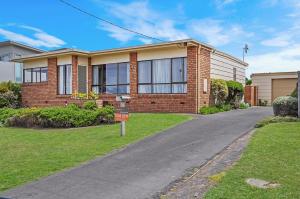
point(145, 168)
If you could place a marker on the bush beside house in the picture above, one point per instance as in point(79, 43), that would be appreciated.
point(226, 95)
point(235, 93)
point(10, 95)
point(219, 91)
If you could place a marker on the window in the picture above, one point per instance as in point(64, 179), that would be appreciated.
point(64, 79)
point(18, 72)
point(5, 57)
point(162, 76)
point(111, 78)
point(35, 75)
point(234, 74)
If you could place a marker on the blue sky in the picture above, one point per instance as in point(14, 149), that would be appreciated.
point(271, 28)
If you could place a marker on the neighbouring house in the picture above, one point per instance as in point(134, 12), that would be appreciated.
point(163, 77)
point(272, 85)
point(9, 50)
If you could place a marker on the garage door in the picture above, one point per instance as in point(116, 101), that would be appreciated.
point(282, 87)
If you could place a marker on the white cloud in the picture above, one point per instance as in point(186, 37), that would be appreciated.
point(38, 39)
point(222, 3)
point(217, 33)
point(278, 41)
point(287, 59)
point(139, 17)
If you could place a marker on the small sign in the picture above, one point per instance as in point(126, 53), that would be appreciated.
point(120, 117)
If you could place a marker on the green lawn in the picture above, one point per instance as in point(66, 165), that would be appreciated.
point(273, 155)
point(27, 154)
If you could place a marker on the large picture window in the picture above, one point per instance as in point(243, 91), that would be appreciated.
point(35, 75)
point(64, 79)
point(162, 76)
point(111, 78)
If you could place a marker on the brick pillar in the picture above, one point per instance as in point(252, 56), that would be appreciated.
point(52, 77)
point(133, 74)
point(90, 74)
point(192, 76)
point(74, 73)
point(204, 74)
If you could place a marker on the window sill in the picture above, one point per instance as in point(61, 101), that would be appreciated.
point(63, 96)
point(34, 83)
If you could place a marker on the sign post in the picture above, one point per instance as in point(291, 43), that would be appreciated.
point(122, 114)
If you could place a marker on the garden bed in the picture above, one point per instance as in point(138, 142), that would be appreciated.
point(57, 117)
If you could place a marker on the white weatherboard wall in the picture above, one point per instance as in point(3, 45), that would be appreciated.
point(7, 71)
point(222, 68)
point(162, 53)
point(110, 58)
point(36, 63)
point(264, 84)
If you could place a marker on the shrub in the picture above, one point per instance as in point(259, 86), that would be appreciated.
point(244, 105)
point(262, 102)
point(285, 106)
point(6, 113)
point(9, 99)
point(276, 119)
point(215, 109)
point(90, 105)
point(219, 91)
point(235, 93)
point(73, 106)
point(248, 81)
point(10, 94)
point(61, 117)
point(106, 114)
point(209, 110)
point(27, 117)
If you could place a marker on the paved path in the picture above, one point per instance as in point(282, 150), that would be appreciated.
point(145, 168)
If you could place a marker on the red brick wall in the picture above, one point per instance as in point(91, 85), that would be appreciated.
point(204, 73)
point(74, 73)
point(45, 94)
point(90, 74)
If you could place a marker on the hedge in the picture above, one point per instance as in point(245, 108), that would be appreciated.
point(56, 117)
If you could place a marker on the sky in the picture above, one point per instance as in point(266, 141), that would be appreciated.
point(271, 28)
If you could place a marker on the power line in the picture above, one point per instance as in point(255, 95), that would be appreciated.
point(106, 21)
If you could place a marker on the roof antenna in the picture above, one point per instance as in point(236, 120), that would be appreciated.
point(245, 51)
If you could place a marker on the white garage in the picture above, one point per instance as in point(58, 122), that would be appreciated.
point(272, 85)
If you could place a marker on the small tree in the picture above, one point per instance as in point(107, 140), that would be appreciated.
point(235, 93)
point(219, 91)
point(248, 81)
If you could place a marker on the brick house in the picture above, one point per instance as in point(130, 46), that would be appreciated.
point(163, 77)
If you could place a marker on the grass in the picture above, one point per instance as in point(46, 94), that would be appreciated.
point(28, 154)
point(273, 155)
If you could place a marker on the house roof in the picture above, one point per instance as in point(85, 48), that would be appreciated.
point(274, 73)
point(179, 43)
point(13, 43)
